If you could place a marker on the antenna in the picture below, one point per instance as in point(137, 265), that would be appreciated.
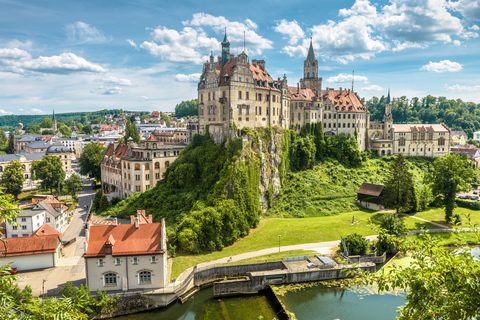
point(353, 79)
point(243, 40)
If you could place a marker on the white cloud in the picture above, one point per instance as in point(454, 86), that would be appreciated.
point(188, 77)
point(442, 66)
point(343, 77)
point(20, 109)
point(20, 61)
point(235, 31)
point(37, 110)
point(457, 43)
point(113, 90)
point(373, 87)
point(360, 7)
point(295, 51)
point(399, 45)
point(27, 45)
point(458, 87)
point(468, 8)
point(117, 81)
point(133, 44)
point(5, 112)
point(474, 27)
point(290, 29)
point(82, 32)
point(143, 98)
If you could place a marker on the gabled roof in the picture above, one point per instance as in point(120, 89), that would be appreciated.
point(49, 208)
point(57, 149)
point(344, 101)
point(459, 134)
point(46, 230)
point(127, 240)
point(40, 144)
point(31, 245)
point(371, 189)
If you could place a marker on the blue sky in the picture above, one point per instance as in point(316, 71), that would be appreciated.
point(147, 55)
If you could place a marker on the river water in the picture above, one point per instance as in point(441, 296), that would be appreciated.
point(322, 301)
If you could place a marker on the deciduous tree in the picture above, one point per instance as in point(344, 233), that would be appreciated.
point(167, 119)
point(451, 174)
point(49, 170)
point(74, 184)
point(12, 178)
point(90, 159)
point(11, 143)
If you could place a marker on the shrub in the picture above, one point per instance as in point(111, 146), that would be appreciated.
point(356, 244)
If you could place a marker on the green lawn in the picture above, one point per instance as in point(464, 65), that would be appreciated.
point(293, 231)
point(438, 215)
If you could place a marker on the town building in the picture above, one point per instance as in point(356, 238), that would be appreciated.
point(27, 222)
point(476, 136)
point(387, 138)
point(469, 150)
point(40, 250)
point(126, 256)
point(234, 93)
point(459, 137)
point(56, 215)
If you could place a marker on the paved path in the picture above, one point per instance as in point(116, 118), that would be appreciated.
point(424, 220)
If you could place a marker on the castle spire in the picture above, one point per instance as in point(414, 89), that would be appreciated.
point(388, 97)
point(225, 49)
point(311, 53)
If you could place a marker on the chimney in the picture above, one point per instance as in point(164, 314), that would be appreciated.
point(137, 223)
point(115, 222)
point(298, 89)
point(340, 90)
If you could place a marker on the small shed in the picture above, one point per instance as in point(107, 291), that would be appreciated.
point(370, 196)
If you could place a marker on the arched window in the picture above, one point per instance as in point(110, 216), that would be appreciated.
point(401, 142)
point(308, 75)
point(157, 165)
point(129, 166)
point(144, 277)
point(154, 146)
point(167, 163)
point(147, 166)
point(110, 279)
point(441, 141)
point(137, 166)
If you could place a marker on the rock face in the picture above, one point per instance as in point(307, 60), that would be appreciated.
point(266, 144)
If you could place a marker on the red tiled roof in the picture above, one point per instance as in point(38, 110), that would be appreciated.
point(409, 127)
point(128, 239)
point(142, 217)
point(46, 230)
point(347, 101)
point(30, 245)
point(151, 138)
point(155, 114)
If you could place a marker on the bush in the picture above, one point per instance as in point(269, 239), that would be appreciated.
point(474, 205)
point(356, 244)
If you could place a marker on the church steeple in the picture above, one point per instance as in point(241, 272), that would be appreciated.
point(225, 49)
point(311, 53)
point(54, 122)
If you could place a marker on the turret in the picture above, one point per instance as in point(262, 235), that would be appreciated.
point(225, 49)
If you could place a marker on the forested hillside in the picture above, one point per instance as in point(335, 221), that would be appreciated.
point(456, 114)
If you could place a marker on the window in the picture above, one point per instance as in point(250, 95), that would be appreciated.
point(441, 141)
point(247, 96)
point(201, 97)
point(110, 279)
point(260, 110)
point(239, 94)
point(157, 165)
point(137, 177)
point(154, 259)
point(224, 94)
point(24, 219)
point(134, 260)
point(401, 142)
point(147, 166)
point(209, 96)
point(24, 227)
point(147, 177)
point(144, 277)
point(47, 219)
point(157, 176)
point(117, 261)
point(224, 109)
point(137, 188)
point(137, 166)
point(100, 262)
point(14, 227)
point(214, 96)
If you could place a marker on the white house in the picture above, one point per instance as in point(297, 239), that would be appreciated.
point(55, 213)
point(40, 250)
point(28, 222)
point(476, 136)
point(126, 257)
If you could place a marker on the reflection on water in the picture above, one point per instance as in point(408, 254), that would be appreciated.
point(202, 306)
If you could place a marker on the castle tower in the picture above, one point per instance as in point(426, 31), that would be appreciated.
point(225, 49)
point(310, 71)
point(387, 118)
point(54, 122)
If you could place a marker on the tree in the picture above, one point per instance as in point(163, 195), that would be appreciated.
point(186, 108)
point(104, 204)
point(49, 170)
point(87, 129)
point(11, 143)
point(451, 174)
point(48, 132)
point(399, 185)
point(439, 283)
point(167, 119)
point(390, 224)
point(131, 132)
point(46, 123)
point(356, 244)
point(90, 159)
point(64, 130)
point(12, 178)
point(74, 184)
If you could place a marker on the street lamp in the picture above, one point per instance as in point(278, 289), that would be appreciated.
point(279, 242)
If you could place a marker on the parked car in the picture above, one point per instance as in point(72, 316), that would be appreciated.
point(474, 197)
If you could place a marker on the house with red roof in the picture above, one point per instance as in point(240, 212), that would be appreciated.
point(126, 256)
point(155, 115)
point(40, 250)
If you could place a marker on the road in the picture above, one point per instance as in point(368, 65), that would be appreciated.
point(71, 266)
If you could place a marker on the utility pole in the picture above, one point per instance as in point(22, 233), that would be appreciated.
point(279, 242)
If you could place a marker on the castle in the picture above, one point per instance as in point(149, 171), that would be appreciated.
point(234, 93)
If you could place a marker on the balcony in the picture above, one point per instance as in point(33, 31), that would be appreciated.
point(222, 100)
